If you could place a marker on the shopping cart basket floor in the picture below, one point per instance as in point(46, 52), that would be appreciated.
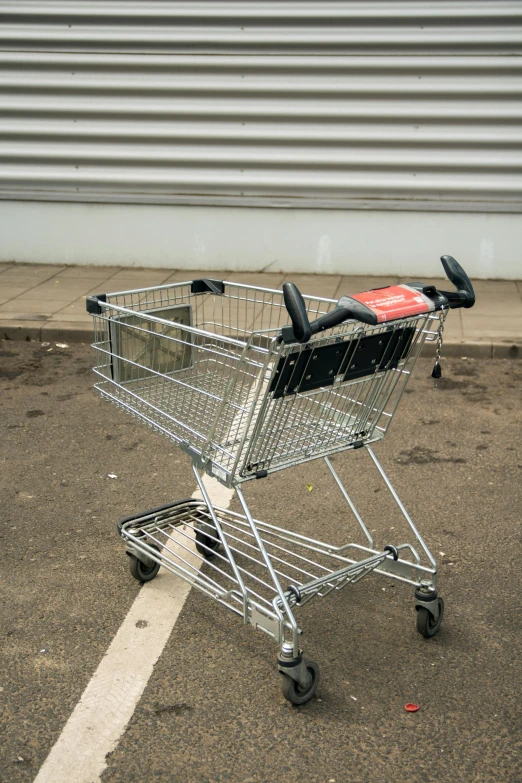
point(184, 537)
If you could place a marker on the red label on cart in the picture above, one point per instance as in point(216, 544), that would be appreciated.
point(396, 301)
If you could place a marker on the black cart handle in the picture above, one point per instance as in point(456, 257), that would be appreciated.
point(465, 295)
point(301, 329)
point(348, 308)
point(297, 311)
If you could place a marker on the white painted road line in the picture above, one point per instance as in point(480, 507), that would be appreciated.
point(109, 700)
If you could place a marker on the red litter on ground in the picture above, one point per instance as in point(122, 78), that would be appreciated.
point(411, 707)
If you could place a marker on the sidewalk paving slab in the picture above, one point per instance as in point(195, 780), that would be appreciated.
point(46, 302)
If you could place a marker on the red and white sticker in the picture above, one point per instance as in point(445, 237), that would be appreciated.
point(396, 301)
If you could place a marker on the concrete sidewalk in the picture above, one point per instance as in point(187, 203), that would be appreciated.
point(47, 303)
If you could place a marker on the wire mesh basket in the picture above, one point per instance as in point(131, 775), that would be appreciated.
point(208, 369)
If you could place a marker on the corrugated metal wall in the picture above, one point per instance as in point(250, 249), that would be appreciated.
point(335, 104)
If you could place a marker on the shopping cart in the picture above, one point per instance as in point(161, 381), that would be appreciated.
point(216, 367)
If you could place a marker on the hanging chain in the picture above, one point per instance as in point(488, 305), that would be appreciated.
point(437, 369)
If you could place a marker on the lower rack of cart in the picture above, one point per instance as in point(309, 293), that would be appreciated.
point(263, 572)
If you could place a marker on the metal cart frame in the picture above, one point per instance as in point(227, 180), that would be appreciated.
point(215, 366)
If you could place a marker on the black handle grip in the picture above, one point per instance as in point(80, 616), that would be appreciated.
point(301, 329)
point(350, 308)
point(297, 311)
point(331, 319)
point(465, 296)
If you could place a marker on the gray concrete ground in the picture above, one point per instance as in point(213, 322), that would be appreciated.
point(47, 302)
point(213, 709)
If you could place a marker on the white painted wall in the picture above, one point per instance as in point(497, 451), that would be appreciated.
point(320, 241)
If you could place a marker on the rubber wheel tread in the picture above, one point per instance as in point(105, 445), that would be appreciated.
point(293, 692)
point(426, 625)
point(142, 572)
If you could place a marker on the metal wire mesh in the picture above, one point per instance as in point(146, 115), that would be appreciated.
point(207, 369)
point(297, 560)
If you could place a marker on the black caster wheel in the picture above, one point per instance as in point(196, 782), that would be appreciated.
point(426, 625)
point(207, 545)
point(142, 572)
point(293, 692)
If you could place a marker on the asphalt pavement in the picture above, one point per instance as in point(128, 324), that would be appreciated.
point(213, 709)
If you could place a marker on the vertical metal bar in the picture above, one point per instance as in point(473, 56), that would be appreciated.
point(350, 503)
point(222, 536)
point(261, 382)
point(266, 558)
point(403, 510)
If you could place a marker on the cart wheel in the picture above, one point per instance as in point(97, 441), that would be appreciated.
point(426, 625)
point(142, 572)
point(293, 692)
point(206, 545)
